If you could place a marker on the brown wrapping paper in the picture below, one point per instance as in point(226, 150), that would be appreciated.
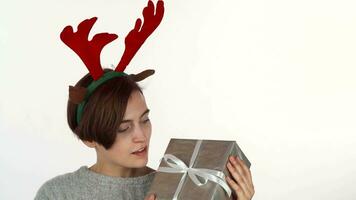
point(213, 154)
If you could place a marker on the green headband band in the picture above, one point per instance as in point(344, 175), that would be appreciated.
point(91, 88)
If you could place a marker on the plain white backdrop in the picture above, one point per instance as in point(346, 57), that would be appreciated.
point(276, 76)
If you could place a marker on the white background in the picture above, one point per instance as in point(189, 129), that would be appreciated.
point(277, 76)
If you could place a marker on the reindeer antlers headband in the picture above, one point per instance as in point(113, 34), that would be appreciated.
point(89, 51)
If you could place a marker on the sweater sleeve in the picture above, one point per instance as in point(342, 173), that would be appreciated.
point(43, 193)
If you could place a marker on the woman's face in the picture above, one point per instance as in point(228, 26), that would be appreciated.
point(134, 134)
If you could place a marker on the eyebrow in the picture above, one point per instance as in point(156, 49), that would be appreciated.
point(129, 120)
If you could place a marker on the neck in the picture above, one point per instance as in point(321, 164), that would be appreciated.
point(119, 171)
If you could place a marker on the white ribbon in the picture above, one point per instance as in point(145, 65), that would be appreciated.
point(178, 166)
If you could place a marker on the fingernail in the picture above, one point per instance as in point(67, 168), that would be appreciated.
point(232, 158)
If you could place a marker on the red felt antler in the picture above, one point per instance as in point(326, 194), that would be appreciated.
point(88, 51)
point(137, 37)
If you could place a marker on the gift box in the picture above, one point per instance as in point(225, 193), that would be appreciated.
point(195, 169)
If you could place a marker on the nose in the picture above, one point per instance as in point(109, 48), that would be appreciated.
point(139, 134)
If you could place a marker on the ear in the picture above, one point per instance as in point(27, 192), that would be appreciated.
point(91, 144)
point(142, 75)
point(77, 94)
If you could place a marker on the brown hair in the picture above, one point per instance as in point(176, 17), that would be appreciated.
point(104, 110)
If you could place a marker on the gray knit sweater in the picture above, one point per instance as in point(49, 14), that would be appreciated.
point(85, 184)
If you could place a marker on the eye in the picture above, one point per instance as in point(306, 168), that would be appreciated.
point(146, 121)
point(123, 130)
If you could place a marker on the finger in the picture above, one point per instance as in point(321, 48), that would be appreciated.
point(238, 177)
point(244, 167)
point(246, 171)
point(151, 197)
point(238, 166)
point(247, 184)
point(234, 186)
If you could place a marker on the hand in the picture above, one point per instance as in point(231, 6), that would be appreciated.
point(242, 179)
point(151, 197)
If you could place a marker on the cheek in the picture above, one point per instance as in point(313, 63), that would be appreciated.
point(121, 147)
point(148, 132)
point(149, 129)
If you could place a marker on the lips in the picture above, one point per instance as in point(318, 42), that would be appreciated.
point(141, 149)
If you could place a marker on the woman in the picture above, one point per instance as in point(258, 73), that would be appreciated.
point(116, 124)
point(107, 111)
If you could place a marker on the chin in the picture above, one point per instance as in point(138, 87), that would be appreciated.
point(138, 163)
point(142, 163)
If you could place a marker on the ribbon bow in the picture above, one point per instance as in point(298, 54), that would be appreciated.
point(178, 166)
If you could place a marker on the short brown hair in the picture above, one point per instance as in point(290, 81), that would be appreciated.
point(104, 110)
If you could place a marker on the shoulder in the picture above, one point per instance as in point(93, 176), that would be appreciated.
point(57, 185)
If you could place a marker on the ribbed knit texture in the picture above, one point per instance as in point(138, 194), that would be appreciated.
point(86, 184)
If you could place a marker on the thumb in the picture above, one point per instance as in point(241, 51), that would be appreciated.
point(151, 197)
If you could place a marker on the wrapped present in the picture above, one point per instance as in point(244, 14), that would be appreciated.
point(195, 169)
